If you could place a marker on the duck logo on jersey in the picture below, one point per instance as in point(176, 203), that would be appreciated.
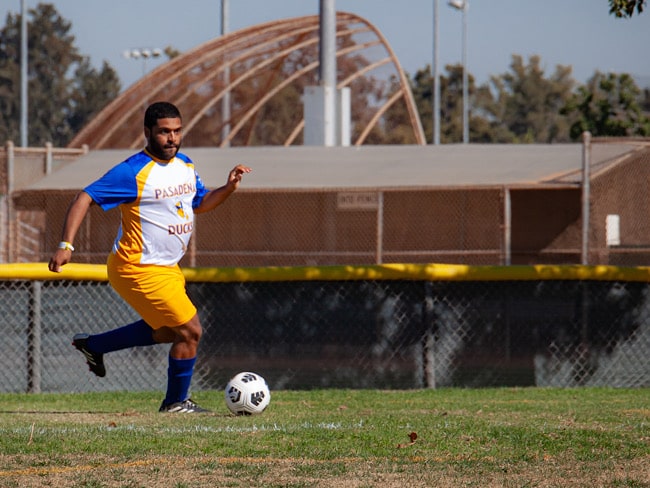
point(179, 229)
point(180, 210)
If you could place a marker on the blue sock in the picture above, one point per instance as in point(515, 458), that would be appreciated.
point(132, 335)
point(179, 377)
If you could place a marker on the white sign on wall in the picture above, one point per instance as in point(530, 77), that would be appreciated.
point(357, 200)
point(613, 230)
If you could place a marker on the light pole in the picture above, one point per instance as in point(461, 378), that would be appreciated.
point(327, 69)
point(463, 6)
point(225, 102)
point(436, 77)
point(23, 74)
point(144, 53)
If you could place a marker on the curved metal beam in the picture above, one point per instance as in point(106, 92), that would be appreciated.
point(249, 52)
point(269, 94)
point(376, 117)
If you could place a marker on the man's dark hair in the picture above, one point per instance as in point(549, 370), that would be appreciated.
point(160, 110)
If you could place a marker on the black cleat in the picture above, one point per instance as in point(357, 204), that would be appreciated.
point(187, 406)
point(94, 360)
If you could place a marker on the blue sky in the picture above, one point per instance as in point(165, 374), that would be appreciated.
point(579, 33)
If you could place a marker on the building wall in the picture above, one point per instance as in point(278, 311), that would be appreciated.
point(622, 190)
point(420, 225)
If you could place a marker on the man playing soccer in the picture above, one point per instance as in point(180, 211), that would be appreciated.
point(158, 192)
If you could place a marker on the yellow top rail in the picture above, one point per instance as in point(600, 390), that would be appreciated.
point(425, 272)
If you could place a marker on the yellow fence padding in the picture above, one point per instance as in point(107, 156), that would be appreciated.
point(426, 272)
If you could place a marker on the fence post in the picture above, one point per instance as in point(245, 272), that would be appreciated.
point(429, 339)
point(507, 227)
point(582, 352)
point(34, 339)
point(9, 206)
point(379, 249)
point(586, 163)
point(48, 158)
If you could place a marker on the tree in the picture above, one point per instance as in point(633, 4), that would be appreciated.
point(451, 104)
point(527, 104)
point(625, 8)
point(422, 88)
point(608, 105)
point(518, 106)
point(92, 91)
point(524, 106)
point(396, 126)
point(484, 126)
point(645, 100)
point(64, 91)
point(9, 81)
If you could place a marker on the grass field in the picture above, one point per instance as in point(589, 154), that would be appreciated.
point(331, 438)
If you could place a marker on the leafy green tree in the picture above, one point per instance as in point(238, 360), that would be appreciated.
point(396, 126)
point(608, 105)
point(9, 81)
point(92, 91)
point(64, 91)
point(451, 103)
point(645, 100)
point(625, 8)
point(484, 126)
point(527, 104)
point(422, 88)
point(518, 106)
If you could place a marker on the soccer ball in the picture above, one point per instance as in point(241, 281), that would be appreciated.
point(247, 394)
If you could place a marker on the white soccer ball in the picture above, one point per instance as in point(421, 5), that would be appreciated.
point(247, 394)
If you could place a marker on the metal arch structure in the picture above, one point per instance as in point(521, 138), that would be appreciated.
point(268, 62)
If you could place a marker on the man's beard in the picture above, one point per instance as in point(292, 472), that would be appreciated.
point(163, 152)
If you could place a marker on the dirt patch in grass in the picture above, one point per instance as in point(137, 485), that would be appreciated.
point(203, 471)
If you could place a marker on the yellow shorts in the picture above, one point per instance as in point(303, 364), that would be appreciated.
point(157, 293)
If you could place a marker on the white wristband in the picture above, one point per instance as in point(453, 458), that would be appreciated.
point(66, 246)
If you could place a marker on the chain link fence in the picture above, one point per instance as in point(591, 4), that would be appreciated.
point(346, 333)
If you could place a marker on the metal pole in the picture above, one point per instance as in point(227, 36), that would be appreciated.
point(23, 74)
point(507, 227)
point(436, 76)
point(379, 249)
point(328, 68)
point(586, 161)
point(463, 5)
point(48, 158)
point(9, 230)
point(225, 102)
point(11, 167)
point(429, 337)
point(465, 78)
point(34, 339)
point(582, 350)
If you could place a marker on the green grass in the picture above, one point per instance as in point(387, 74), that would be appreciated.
point(488, 437)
